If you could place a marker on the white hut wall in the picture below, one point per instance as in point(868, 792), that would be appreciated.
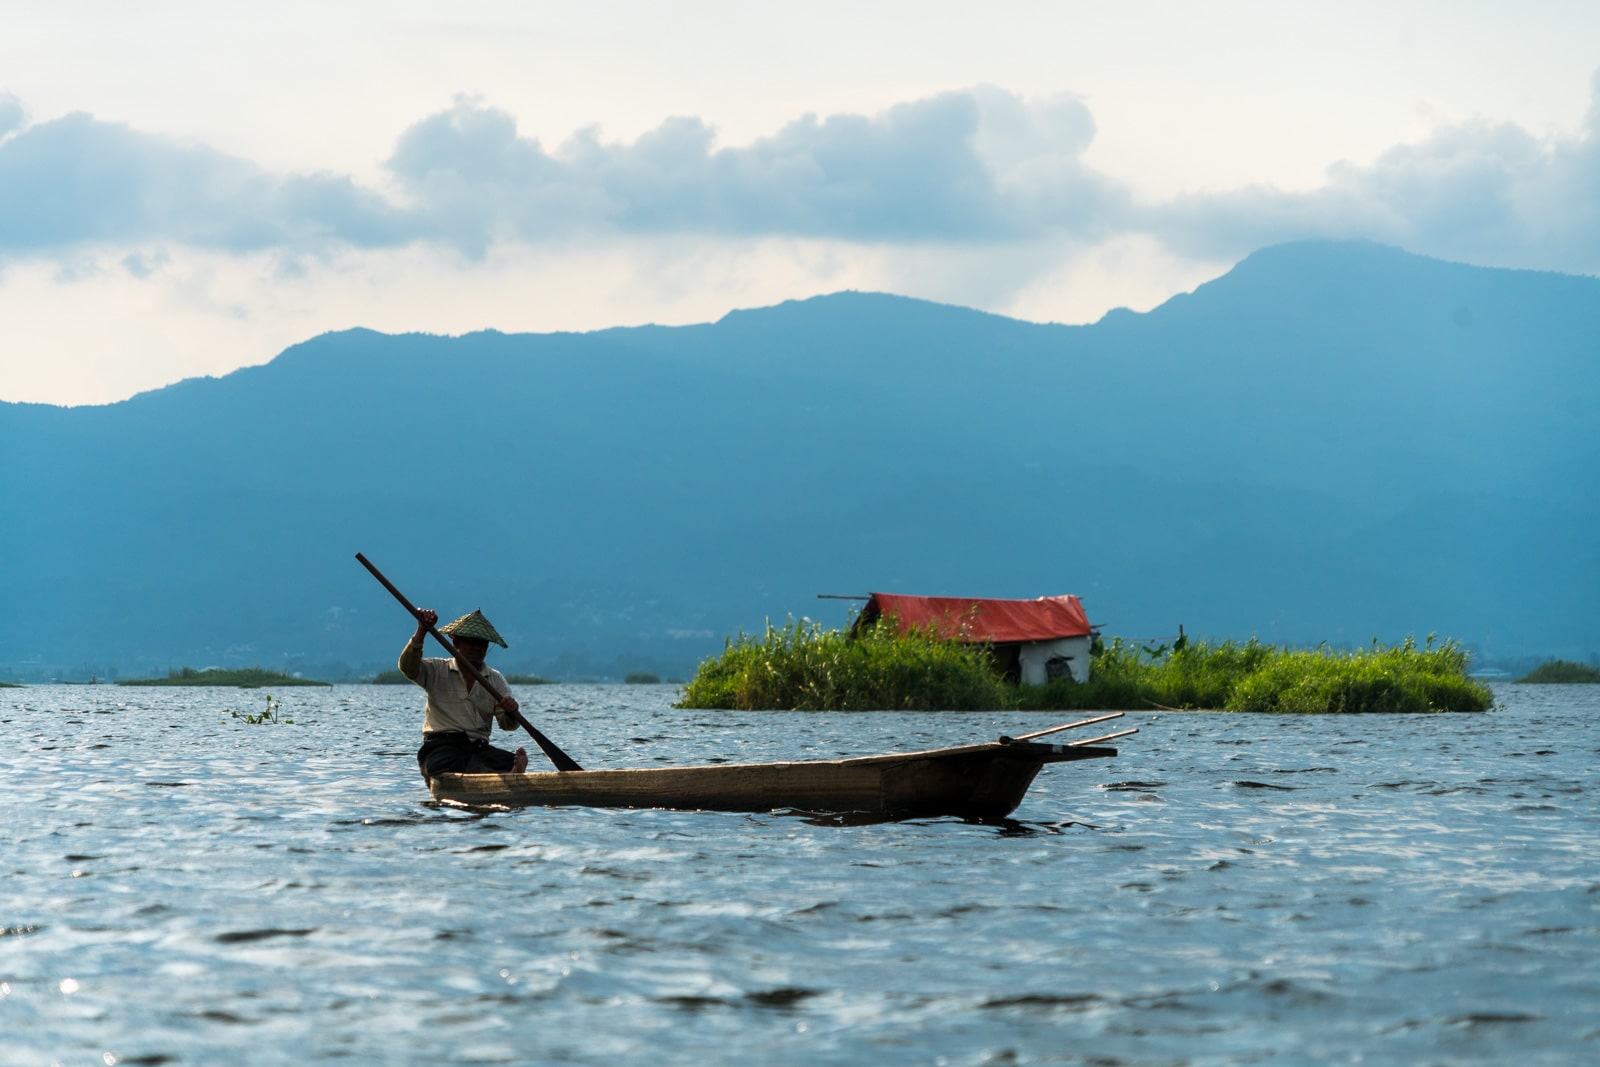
point(1041, 661)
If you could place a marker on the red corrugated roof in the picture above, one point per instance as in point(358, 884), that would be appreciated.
point(978, 619)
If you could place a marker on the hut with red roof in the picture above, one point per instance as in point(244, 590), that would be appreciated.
point(1034, 641)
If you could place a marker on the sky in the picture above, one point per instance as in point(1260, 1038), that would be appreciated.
point(187, 188)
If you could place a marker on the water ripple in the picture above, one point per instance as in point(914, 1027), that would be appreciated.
point(1231, 889)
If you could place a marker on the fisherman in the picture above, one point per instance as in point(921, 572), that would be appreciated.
point(460, 712)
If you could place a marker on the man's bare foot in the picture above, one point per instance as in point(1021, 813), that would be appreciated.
point(519, 761)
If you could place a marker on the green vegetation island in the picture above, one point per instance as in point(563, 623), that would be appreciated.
point(1561, 672)
point(245, 678)
point(800, 666)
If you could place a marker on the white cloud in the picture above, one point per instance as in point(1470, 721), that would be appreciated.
point(979, 167)
point(977, 164)
point(75, 182)
point(1476, 191)
point(969, 165)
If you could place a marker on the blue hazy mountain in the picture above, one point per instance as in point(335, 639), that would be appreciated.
point(1334, 441)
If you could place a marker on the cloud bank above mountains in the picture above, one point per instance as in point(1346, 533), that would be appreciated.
point(977, 166)
point(961, 166)
point(130, 259)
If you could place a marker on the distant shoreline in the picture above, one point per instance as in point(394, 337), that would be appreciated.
point(247, 678)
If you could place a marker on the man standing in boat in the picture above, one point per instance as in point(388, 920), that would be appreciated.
point(461, 713)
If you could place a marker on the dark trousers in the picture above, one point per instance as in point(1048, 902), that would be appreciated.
point(456, 753)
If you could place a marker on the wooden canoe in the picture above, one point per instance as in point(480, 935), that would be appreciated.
point(981, 781)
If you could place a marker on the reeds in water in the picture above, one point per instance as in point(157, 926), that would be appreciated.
point(1252, 676)
point(803, 667)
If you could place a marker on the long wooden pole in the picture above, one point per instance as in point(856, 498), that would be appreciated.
point(1102, 737)
point(562, 761)
point(1058, 729)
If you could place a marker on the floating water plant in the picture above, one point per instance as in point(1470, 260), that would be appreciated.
point(272, 715)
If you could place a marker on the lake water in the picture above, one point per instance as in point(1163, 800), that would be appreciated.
point(178, 886)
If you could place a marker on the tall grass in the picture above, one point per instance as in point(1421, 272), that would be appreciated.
point(1125, 675)
point(1251, 676)
point(800, 666)
point(803, 667)
point(1398, 678)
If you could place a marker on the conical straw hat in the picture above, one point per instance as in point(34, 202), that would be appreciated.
point(474, 625)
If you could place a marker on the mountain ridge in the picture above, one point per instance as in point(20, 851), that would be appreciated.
point(1236, 459)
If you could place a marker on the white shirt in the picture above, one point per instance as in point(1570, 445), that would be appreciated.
point(450, 706)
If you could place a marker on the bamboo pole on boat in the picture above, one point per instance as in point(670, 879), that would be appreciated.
point(1057, 729)
point(1102, 737)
